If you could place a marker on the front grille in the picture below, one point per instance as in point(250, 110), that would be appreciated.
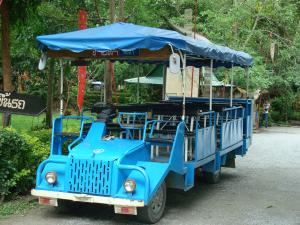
point(89, 176)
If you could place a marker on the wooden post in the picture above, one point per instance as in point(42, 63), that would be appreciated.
point(121, 10)
point(6, 61)
point(109, 66)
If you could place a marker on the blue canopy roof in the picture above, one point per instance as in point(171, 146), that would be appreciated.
point(130, 37)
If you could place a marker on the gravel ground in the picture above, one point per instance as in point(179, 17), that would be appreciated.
point(263, 189)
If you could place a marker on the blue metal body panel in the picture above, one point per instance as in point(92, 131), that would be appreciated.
point(206, 142)
point(232, 133)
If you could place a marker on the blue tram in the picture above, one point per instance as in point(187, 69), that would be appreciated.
point(128, 155)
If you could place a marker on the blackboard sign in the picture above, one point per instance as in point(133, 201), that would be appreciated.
point(21, 104)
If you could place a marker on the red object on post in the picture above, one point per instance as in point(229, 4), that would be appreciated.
point(82, 23)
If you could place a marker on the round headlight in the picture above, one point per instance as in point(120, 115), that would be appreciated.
point(129, 185)
point(51, 177)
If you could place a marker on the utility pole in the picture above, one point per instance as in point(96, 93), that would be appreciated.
point(109, 66)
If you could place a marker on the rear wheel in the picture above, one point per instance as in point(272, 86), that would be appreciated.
point(212, 177)
point(153, 212)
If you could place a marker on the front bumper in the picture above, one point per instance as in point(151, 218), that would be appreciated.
point(87, 198)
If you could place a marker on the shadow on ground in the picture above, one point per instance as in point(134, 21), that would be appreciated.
point(176, 200)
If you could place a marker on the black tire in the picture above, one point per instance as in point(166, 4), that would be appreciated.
point(154, 211)
point(212, 177)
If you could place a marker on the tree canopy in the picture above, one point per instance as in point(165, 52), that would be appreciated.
point(269, 30)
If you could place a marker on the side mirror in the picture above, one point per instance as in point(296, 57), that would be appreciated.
point(174, 63)
point(42, 62)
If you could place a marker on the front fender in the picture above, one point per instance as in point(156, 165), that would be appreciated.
point(55, 164)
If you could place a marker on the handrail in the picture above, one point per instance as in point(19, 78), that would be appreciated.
point(232, 108)
point(134, 114)
point(212, 118)
point(131, 126)
point(154, 123)
point(83, 118)
point(78, 117)
point(206, 113)
point(229, 111)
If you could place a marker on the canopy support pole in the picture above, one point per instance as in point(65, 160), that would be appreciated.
point(183, 71)
point(164, 82)
point(138, 84)
point(210, 84)
point(184, 85)
point(247, 81)
point(61, 108)
point(231, 85)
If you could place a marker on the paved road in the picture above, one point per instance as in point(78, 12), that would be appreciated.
point(264, 189)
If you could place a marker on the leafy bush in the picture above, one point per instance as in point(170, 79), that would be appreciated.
point(20, 155)
point(43, 135)
point(276, 116)
point(39, 149)
point(14, 154)
point(284, 105)
point(295, 116)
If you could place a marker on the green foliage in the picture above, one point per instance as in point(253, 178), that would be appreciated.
point(250, 26)
point(14, 154)
point(295, 116)
point(20, 155)
point(283, 105)
point(38, 143)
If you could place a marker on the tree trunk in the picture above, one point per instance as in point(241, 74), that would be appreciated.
point(50, 94)
point(109, 66)
point(6, 63)
point(257, 18)
point(121, 10)
point(108, 81)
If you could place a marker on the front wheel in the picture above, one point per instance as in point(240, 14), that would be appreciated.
point(153, 212)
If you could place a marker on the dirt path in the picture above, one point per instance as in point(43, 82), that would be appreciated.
point(264, 189)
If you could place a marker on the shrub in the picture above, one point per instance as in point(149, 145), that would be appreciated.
point(20, 155)
point(283, 104)
point(43, 135)
point(295, 116)
point(276, 116)
point(14, 155)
